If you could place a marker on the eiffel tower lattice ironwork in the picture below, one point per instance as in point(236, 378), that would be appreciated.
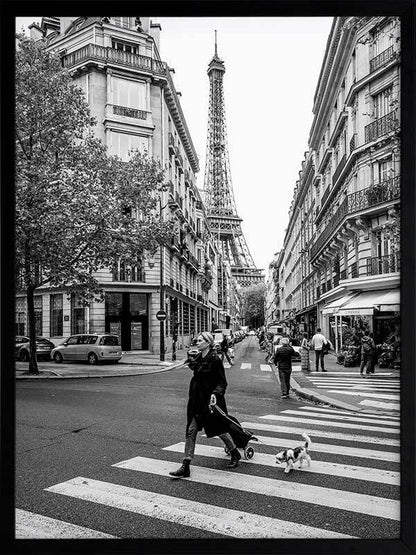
point(218, 191)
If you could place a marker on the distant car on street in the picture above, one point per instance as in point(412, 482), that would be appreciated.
point(91, 348)
point(43, 348)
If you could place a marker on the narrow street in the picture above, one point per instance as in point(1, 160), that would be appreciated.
point(93, 458)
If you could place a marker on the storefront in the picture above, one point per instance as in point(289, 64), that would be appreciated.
point(127, 315)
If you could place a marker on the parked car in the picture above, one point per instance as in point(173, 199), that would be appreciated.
point(43, 348)
point(91, 348)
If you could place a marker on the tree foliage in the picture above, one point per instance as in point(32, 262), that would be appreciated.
point(253, 302)
point(77, 209)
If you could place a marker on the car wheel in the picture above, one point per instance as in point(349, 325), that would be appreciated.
point(92, 358)
point(57, 357)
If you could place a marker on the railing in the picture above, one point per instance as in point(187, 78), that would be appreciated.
point(382, 59)
point(353, 142)
point(339, 169)
point(383, 264)
point(386, 191)
point(129, 112)
point(106, 54)
point(123, 272)
point(381, 126)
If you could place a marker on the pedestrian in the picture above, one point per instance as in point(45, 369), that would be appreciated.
point(224, 345)
point(318, 342)
point(304, 354)
point(283, 360)
point(207, 388)
point(373, 361)
point(368, 348)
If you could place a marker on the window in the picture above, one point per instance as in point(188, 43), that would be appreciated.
point(383, 38)
point(110, 340)
point(56, 315)
point(87, 340)
point(122, 143)
point(131, 94)
point(20, 316)
point(73, 340)
point(78, 315)
point(382, 103)
point(121, 21)
point(381, 171)
point(38, 314)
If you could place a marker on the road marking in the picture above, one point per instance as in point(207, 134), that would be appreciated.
point(336, 499)
point(349, 452)
point(380, 404)
point(360, 383)
point(317, 467)
point(334, 416)
point(33, 526)
point(392, 397)
point(330, 424)
point(321, 433)
point(308, 408)
point(358, 388)
point(245, 366)
point(186, 512)
point(329, 373)
point(265, 368)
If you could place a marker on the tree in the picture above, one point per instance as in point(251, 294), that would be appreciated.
point(77, 209)
point(253, 302)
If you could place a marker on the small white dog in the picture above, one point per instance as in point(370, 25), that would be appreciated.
point(290, 456)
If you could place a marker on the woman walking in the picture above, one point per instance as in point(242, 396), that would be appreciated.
point(206, 389)
point(304, 354)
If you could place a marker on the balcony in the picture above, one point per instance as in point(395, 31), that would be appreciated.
point(381, 126)
point(129, 112)
point(104, 54)
point(376, 195)
point(382, 59)
point(383, 264)
point(122, 272)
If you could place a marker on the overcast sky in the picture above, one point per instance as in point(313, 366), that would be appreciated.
point(272, 69)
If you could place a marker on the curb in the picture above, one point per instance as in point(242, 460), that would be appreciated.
point(53, 376)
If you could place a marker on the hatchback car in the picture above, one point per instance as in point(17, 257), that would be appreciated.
point(43, 348)
point(92, 348)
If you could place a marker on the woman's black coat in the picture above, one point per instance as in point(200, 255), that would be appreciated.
point(208, 379)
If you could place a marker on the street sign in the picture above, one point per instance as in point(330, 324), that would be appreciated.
point(161, 315)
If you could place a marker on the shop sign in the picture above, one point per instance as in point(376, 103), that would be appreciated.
point(356, 312)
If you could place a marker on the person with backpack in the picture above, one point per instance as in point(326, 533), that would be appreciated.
point(368, 348)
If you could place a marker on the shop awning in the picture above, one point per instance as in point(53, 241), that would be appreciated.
point(365, 303)
point(334, 306)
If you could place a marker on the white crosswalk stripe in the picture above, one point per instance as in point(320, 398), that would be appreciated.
point(245, 366)
point(380, 404)
point(349, 501)
point(318, 467)
point(184, 511)
point(378, 464)
point(265, 368)
point(366, 394)
point(33, 526)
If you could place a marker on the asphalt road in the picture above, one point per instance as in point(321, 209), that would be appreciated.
point(79, 428)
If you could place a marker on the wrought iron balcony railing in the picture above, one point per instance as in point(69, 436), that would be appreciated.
point(382, 59)
point(97, 53)
point(383, 264)
point(387, 191)
point(381, 126)
point(129, 112)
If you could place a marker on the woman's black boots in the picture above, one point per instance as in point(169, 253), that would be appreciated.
point(183, 471)
point(235, 457)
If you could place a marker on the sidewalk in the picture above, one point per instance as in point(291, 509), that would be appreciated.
point(133, 363)
point(304, 387)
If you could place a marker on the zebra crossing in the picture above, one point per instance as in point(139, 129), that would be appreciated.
point(380, 390)
point(350, 474)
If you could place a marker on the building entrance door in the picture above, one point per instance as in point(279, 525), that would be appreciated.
point(126, 314)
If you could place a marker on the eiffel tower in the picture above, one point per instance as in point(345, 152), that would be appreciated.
point(218, 191)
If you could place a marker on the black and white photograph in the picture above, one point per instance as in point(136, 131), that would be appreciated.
point(208, 281)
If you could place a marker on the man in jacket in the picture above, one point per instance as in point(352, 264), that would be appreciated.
point(318, 342)
point(283, 360)
point(367, 351)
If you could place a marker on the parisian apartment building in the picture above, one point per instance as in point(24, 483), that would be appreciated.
point(131, 94)
point(341, 253)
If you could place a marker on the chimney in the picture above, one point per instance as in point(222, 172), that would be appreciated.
point(155, 29)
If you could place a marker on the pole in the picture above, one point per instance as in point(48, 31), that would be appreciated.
point(162, 296)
